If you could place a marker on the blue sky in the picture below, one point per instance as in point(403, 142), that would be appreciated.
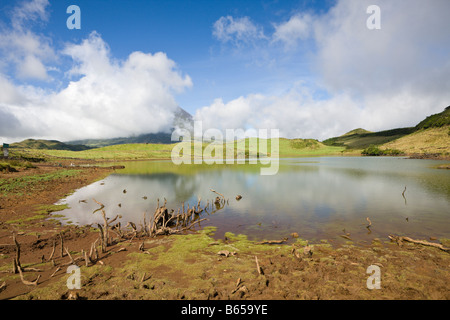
point(183, 30)
point(310, 68)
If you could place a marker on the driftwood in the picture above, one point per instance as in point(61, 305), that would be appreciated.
point(218, 193)
point(53, 251)
point(370, 222)
point(70, 256)
point(62, 244)
point(258, 268)
point(28, 283)
point(16, 261)
point(273, 241)
point(400, 240)
point(345, 236)
point(57, 269)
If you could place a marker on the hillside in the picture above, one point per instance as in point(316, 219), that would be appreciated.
point(161, 137)
point(356, 131)
point(434, 140)
point(360, 140)
point(437, 139)
point(436, 120)
point(141, 151)
point(47, 145)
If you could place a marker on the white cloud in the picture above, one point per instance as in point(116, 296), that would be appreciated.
point(32, 67)
point(106, 97)
point(237, 30)
point(298, 27)
point(110, 98)
point(34, 10)
point(23, 50)
point(408, 52)
point(376, 79)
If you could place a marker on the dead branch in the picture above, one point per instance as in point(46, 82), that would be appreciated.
point(53, 251)
point(57, 269)
point(70, 256)
point(258, 268)
point(16, 261)
point(370, 222)
point(28, 283)
point(400, 240)
point(273, 241)
point(62, 244)
point(100, 204)
point(345, 236)
point(218, 193)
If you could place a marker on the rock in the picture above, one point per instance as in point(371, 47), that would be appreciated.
point(225, 253)
point(73, 295)
point(307, 251)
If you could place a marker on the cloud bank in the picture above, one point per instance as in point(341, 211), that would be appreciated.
point(104, 97)
point(376, 79)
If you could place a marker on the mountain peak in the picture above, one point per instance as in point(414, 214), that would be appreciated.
point(356, 131)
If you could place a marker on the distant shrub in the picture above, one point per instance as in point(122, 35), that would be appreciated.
point(375, 151)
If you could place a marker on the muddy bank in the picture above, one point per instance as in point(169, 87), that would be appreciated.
point(193, 265)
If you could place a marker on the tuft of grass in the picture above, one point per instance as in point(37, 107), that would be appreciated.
point(375, 151)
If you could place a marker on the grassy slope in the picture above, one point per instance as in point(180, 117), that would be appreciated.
point(47, 144)
point(287, 148)
point(428, 136)
point(432, 140)
point(364, 140)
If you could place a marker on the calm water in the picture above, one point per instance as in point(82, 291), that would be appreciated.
point(316, 197)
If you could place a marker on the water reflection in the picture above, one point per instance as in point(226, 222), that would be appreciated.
point(317, 197)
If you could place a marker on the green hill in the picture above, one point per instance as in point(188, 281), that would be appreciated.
point(433, 140)
point(356, 131)
point(436, 120)
point(361, 139)
point(47, 145)
point(164, 138)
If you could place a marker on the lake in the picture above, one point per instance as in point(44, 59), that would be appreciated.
point(318, 198)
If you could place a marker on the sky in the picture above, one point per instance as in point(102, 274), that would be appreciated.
point(312, 69)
